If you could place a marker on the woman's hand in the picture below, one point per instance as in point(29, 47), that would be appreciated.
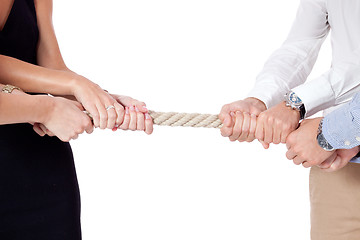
point(40, 129)
point(136, 115)
point(64, 119)
point(104, 109)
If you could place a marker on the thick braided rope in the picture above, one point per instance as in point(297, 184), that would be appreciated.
point(175, 119)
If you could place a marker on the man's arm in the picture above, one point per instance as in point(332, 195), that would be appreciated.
point(340, 130)
point(288, 67)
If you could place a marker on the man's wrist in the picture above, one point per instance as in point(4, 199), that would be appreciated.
point(294, 112)
point(256, 102)
point(293, 101)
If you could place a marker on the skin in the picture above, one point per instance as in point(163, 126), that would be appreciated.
point(239, 119)
point(304, 149)
point(52, 76)
point(248, 119)
point(276, 123)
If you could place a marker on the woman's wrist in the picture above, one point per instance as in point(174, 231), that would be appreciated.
point(44, 106)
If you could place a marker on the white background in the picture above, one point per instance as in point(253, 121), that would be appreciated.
point(182, 183)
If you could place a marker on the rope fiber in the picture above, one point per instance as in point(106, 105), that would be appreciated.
point(174, 119)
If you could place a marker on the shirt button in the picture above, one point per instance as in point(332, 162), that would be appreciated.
point(358, 139)
point(347, 143)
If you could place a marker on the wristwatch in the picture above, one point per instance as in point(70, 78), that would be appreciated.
point(323, 143)
point(293, 101)
point(9, 88)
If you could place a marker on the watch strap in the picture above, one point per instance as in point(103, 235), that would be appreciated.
point(323, 143)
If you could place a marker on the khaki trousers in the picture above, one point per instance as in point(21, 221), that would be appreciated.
point(335, 203)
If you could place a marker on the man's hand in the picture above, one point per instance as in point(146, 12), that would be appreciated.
point(275, 124)
point(303, 147)
point(339, 160)
point(239, 119)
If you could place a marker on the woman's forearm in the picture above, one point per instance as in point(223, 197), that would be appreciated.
point(32, 78)
point(19, 107)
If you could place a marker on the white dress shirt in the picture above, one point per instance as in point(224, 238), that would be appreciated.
point(288, 67)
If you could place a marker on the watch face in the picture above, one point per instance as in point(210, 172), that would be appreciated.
point(294, 98)
point(323, 143)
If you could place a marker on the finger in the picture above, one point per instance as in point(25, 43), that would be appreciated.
point(38, 130)
point(148, 124)
point(238, 118)
point(283, 137)
point(126, 122)
point(75, 137)
point(290, 154)
point(327, 163)
point(103, 116)
point(306, 164)
point(264, 144)
point(125, 101)
point(334, 166)
point(288, 145)
point(120, 112)
point(89, 127)
point(268, 133)
point(227, 128)
point(342, 163)
point(111, 118)
point(49, 133)
point(276, 135)
point(251, 135)
point(95, 115)
point(43, 128)
point(245, 127)
point(297, 160)
point(141, 106)
point(133, 118)
point(140, 121)
point(224, 112)
point(259, 132)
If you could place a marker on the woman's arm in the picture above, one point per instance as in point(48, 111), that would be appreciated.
point(64, 118)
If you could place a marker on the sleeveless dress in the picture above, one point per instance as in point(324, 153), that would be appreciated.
point(39, 194)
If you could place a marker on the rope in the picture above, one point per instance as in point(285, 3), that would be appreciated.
point(175, 119)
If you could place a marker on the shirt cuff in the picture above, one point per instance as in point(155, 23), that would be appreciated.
point(315, 95)
point(339, 130)
point(270, 94)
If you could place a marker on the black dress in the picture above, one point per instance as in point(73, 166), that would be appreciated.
point(39, 194)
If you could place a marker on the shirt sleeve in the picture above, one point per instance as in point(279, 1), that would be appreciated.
point(336, 86)
point(341, 128)
point(290, 65)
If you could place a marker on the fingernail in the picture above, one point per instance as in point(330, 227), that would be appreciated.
point(132, 108)
point(136, 109)
point(126, 110)
point(147, 116)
